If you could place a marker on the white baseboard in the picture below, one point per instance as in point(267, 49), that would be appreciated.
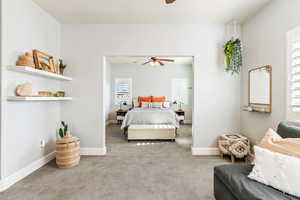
point(93, 151)
point(196, 151)
point(22, 173)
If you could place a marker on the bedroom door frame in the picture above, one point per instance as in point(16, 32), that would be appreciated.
point(195, 62)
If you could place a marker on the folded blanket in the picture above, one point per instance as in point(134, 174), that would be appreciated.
point(274, 142)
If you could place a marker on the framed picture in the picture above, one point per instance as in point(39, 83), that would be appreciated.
point(43, 61)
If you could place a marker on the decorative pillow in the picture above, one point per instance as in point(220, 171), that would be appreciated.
point(166, 104)
point(145, 104)
point(144, 99)
point(156, 104)
point(158, 99)
point(277, 170)
point(274, 142)
point(136, 104)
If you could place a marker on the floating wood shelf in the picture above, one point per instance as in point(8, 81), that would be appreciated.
point(14, 98)
point(36, 72)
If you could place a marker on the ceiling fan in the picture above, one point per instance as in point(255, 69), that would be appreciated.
point(154, 61)
point(169, 1)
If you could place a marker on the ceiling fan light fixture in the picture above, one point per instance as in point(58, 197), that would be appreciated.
point(170, 1)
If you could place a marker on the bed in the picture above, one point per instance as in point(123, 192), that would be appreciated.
point(150, 124)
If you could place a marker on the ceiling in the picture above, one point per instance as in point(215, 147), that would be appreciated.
point(150, 11)
point(140, 60)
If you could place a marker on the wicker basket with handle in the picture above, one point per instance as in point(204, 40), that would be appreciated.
point(67, 152)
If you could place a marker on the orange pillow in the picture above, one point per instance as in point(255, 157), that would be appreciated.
point(144, 99)
point(158, 99)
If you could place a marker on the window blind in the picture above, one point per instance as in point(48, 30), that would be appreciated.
point(122, 90)
point(295, 75)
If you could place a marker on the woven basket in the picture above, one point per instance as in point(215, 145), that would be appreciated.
point(68, 152)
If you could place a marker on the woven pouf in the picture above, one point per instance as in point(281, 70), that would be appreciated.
point(67, 152)
point(235, 145)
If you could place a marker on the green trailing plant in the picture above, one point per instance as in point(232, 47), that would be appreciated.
point(63, 130)
point(233, 53)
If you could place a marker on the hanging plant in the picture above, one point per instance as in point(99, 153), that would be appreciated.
point(233, 53)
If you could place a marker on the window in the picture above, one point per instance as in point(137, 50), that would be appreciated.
point(293, 110)
point(182, 91)
point(123, 91)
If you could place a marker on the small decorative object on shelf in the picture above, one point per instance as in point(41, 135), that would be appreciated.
point(62, 66)
point(26, 60)
point(67, 148)
point(56, 65)
point(179, 103)
point(43, 61)
point(45, 94)
point(60, 94)
point(123, 103)
point(24, 90)
point(235, 145)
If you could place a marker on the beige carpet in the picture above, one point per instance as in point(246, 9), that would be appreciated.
point(135, 171)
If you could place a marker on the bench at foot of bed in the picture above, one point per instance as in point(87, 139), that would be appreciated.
point(151, 132)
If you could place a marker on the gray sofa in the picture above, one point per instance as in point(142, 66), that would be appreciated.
point(231, 181)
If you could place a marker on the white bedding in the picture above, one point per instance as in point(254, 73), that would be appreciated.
point(150, 116)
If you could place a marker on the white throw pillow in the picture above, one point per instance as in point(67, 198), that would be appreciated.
point(277, 170)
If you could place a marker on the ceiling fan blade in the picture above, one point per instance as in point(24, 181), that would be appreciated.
point(167, 60)
point(147, 62)
point(169, 1)
point(161, 63)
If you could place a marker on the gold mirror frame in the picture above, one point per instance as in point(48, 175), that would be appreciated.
point(261, 108)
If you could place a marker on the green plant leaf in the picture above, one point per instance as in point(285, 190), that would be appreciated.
point(66, 129)
point(61, 133)
point(233, 53)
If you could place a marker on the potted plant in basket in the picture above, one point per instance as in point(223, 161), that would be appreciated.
point(67, 148)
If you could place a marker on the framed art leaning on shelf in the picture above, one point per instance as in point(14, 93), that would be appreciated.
point(43, 61)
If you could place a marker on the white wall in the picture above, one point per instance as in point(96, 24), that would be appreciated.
point(152, 81)
point(108, 86)
point(25, 26)
point(265, 43)
point(217, 93)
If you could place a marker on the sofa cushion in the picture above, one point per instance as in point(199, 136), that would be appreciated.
point(288, 130)
point(235, 178)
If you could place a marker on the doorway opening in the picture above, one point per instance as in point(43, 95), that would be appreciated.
point(148, 100)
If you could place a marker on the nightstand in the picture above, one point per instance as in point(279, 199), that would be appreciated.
point(121, 115)
point(181, 115)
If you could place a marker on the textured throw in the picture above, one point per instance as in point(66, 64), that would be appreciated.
point(274, 142)
point(150, 116)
